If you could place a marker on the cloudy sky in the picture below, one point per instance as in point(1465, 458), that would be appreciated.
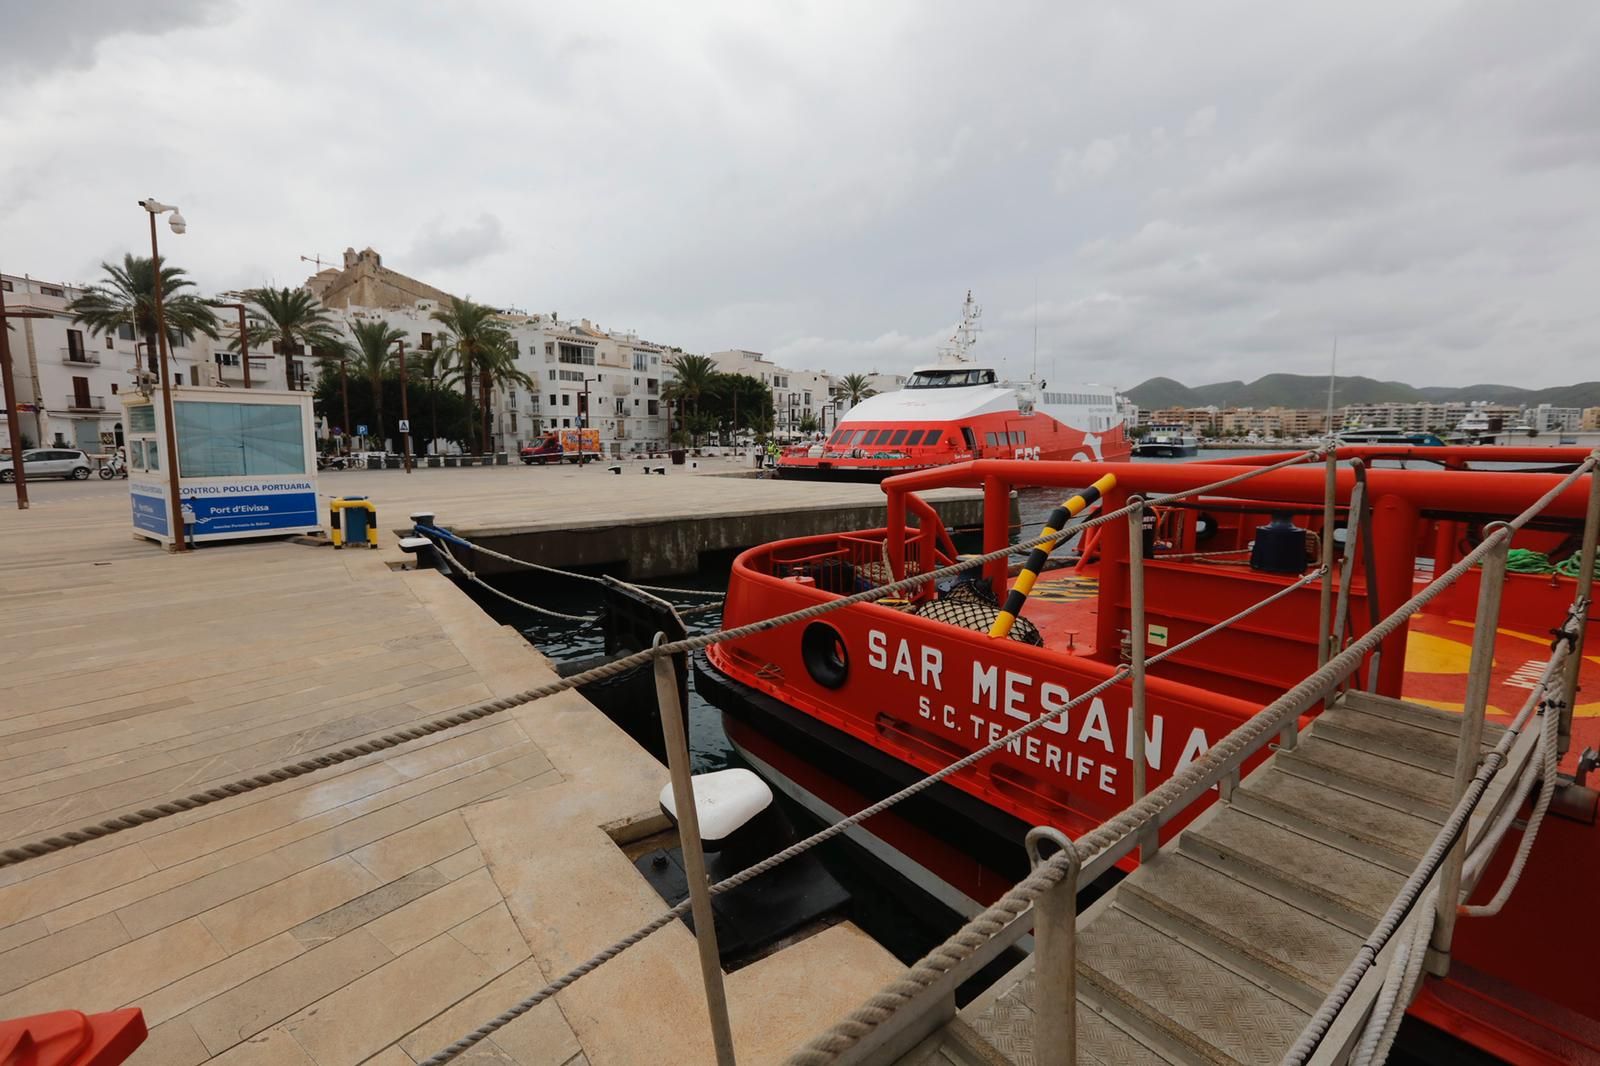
point(1206, 191)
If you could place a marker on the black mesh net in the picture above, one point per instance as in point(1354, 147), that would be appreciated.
point(971, 605)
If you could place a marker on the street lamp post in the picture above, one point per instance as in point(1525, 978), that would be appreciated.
point(583, 420)
point(153, 208)
point(14, 431)
point(405, 409)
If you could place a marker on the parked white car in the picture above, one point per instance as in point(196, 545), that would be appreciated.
point(48, 462)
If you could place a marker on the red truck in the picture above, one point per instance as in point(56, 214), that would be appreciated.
point(573, 445)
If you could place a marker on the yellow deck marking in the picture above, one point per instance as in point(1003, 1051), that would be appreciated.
point(1428, 654)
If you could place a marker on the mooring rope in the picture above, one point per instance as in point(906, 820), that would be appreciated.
point(441, 532)
point(842, 825)
point(180, 804)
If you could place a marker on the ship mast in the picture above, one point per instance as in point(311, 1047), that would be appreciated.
point(966, 334)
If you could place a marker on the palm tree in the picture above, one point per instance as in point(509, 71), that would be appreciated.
point(126, 297)
point(341, 354)
point(853, 388)
point(372, 355)
point(692, 378)
point(500, 368)
point(479, 332)
point(291, 319)
point(434, 363)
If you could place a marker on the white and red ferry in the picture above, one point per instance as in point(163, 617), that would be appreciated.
point(956, 410)
point(842, 711)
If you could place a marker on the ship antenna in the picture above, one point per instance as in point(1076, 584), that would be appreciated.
point(1333, 367)
point(1036, 327)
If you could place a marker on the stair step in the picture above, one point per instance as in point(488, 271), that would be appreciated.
point(1342, 819)
point(1008, 1026)
point(1387, 781)
point(1179, 995)
point(1425, 748)
point(1220, 912)
point(1415, 714)
point(1330, 883)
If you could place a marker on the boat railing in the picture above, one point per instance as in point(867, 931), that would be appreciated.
point(920, 1000)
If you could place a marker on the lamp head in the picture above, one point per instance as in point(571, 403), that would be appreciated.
point(178, 223)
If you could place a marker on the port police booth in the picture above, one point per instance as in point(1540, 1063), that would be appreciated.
point(246, 463)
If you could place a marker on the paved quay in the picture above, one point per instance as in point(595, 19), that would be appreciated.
point(645, 525)
point(371, 912)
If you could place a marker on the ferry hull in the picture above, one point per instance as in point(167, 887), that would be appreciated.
point(1166, 451)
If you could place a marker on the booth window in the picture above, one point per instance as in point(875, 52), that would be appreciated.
point(239, 439)
point(142, 418)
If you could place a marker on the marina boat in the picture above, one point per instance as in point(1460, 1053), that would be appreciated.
point(848, 708)
point(956, 410)
point(1167, 442)
point(1387, 435)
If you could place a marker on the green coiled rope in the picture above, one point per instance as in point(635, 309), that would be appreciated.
point(1571, 565)
point(1526, 561)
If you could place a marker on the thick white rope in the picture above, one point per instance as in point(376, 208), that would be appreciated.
point(828, 833)
point(525, 564)
point(1549, 741)
point(179, 804)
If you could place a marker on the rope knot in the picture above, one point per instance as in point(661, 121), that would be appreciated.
point(1563, 635)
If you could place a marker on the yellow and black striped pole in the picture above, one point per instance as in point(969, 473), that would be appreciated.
point(1036, 560)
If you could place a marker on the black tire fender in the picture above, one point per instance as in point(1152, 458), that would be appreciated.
point(822, 649)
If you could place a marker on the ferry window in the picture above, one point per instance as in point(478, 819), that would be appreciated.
point(968, 437)
point(1021, 437)
point(861, 435)
point(991, 440)
point(899, 437)
point(239, 439)
point(872, 437)
point(933, 436)
point(915, 438)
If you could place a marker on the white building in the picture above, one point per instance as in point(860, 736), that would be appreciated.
point(796, 394)
point(571, 363)
point(1547, 419)
point(67, 379)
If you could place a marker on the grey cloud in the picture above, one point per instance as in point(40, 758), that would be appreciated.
point(41, 36)
point(1196, 190)
point(443, 245)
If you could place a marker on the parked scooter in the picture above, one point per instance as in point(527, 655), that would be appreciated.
point(114, 467)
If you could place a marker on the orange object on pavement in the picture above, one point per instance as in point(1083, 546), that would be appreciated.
point(72, 1038)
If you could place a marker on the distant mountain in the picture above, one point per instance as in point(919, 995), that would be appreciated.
point(1303, 390)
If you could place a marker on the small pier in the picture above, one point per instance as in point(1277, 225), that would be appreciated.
point(647, 525)
point(373, 911)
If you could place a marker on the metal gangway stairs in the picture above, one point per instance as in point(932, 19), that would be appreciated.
point(1221, 948)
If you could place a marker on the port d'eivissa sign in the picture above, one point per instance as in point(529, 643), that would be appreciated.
point(231, 506)
point(973, 698)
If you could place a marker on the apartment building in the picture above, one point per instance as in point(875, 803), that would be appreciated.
point(795, 393)
point(583, 375)
point(69, 380)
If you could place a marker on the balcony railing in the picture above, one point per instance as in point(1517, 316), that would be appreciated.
point(86, 403)
point(80, 357)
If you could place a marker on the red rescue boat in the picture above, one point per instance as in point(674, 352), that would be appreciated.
point(847, 708)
